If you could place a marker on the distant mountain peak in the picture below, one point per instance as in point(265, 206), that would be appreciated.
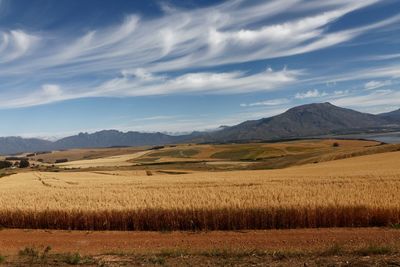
point(298, 122)
point(315, 105)
point(305, 121)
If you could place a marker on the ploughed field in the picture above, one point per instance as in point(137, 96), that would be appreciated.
point(358, 191)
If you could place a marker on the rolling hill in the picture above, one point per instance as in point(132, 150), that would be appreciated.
point(298, 122)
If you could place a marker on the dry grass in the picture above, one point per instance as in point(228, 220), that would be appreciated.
point(362, 191)
point(112, 161)
point(251, 156)
point(86, 153)
point(258, 151)
point(213, 157)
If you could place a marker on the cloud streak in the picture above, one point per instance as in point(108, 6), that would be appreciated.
point(310, 94)
point(15, 44)
point(271, 102)
point(378, 98)
point(139, 82)
point(140, 56)
point(371, 85)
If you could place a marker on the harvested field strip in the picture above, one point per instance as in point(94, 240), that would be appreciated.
point(208, 219)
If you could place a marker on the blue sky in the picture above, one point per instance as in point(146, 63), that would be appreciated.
point(68, 66)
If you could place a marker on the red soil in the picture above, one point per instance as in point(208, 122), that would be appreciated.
point(90, 243)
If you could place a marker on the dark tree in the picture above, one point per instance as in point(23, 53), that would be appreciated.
point(61, 160)
point(5, 164)
point(336, 144)
point(24, 163)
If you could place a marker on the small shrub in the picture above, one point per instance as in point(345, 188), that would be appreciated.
point(29, 252)
point(173, 253)
point(2, 259)
point(34, 255)
point(334, 250)
point(395, 226)
point(374, 250)
point(45, 253)
point(220, 253)
point(73, 259)
point(157, 260)
point(278, 255)
point(336, 144)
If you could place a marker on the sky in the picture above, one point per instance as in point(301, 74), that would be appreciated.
point(71, 66)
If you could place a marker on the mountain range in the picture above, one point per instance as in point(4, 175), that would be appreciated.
point(308, 120)
point(299, 122)
point(394, 115)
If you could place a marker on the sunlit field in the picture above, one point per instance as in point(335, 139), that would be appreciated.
point(360, 191)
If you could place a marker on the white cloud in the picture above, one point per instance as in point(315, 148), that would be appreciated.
point(376, 100)
point(46, 94)
point(235, 82)
point(376, 84)
point(146, 51)
point(211, 36)
point(51, 90)
point(383, 57)
point(15, 44)
point(301, 95)
point(391, 71)
point(272, 102)
point(156, 118)
point(310, 94)
point(139, 82)
point(341, 92)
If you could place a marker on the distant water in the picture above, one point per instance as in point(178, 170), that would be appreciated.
point(390, 138)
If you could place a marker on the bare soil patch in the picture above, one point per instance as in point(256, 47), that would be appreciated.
point(308, 247)
point(91, 243)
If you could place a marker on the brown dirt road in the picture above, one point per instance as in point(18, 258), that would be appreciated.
point(92, 243)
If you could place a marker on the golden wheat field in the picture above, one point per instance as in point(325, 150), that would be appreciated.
point(360, 191)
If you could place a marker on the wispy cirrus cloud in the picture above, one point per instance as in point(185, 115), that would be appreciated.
point(377, 98)
point(139, 82)
point(16, 44)
point(47, 93)
point(271, 102)
point(138, 56)
point(371, 85)
point(315, 93)
point(362, 73)
point(382, 57)
point(310, 94)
